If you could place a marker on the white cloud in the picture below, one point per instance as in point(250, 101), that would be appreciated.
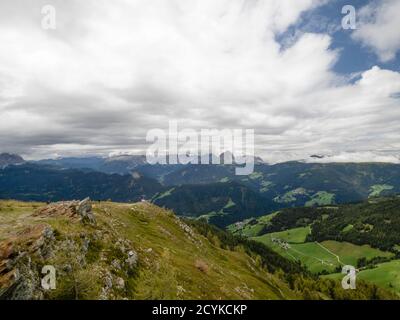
point(113, 70)
point(367, 156)
point(378, 28)
point(341, 156)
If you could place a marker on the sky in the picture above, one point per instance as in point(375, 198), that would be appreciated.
point(113, 70)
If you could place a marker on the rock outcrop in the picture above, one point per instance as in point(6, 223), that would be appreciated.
point(25, 252)
point(74, 209)
point(17, 280)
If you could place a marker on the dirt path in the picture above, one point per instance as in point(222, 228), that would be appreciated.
point(329, 251)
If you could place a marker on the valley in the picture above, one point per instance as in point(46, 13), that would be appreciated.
point(325, 239)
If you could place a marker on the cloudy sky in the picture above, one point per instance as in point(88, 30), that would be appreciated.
point(112, 70)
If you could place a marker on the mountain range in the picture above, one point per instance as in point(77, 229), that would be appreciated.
point(210, 191)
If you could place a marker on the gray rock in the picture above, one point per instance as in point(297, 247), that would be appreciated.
point(48, 233)
point(120, 283)
point(85, 245)
point(116, 264)
point(84, 209)
point(132, 259)
point(108, 281)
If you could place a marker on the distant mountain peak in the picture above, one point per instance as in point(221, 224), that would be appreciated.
point(9, 158)
point(258, 160)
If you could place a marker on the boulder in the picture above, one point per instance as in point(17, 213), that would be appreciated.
point(132, 259)
point(84, 209)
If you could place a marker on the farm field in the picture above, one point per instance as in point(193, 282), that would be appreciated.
point(295, 235)
point(326, 256)
point(385, 275)
point(349, 253)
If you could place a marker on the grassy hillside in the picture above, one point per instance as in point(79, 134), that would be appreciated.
point(174, 261)
point(140, 251)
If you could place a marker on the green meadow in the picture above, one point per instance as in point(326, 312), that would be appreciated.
point(326, 256)
point(386, 275)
